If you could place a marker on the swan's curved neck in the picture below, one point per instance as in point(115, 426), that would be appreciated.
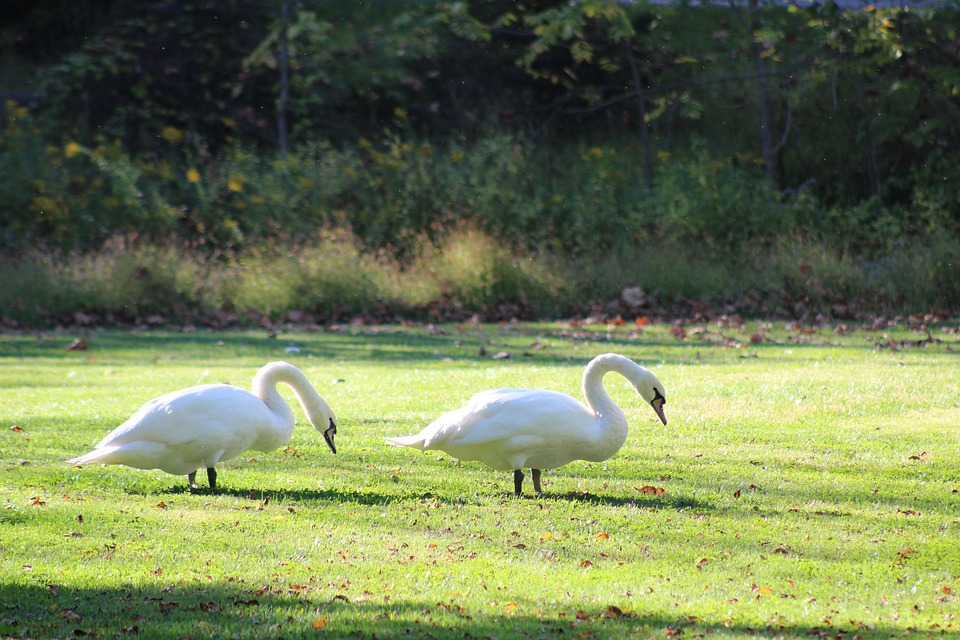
point(596, 396)
point(265, 388)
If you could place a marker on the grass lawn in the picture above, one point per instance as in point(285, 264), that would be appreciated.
point(809, 484)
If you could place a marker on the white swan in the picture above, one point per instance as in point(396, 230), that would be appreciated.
point(180, 432)
point(530, 428)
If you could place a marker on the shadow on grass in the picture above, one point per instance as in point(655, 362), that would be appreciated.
point(306, 496)
point(375, 344)
point(278, 610)
point(678, 503)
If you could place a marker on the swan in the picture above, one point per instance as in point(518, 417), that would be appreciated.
point(536, 429)
point(181, 431)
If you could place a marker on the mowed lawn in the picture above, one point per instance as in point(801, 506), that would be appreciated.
point(805, 486)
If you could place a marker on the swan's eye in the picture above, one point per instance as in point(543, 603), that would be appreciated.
point(658, 396)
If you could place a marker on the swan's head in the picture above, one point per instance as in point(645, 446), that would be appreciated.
point(651, 390)
point(331, 431)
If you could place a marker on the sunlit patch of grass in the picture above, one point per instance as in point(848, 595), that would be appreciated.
point(808, 489)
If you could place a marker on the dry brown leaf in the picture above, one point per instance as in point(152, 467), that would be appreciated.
point(651, 490)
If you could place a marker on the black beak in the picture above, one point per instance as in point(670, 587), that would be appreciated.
point(657, 404)
point(328, 435)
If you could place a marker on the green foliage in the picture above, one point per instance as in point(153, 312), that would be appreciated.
point(477, 272)
point(410, 120)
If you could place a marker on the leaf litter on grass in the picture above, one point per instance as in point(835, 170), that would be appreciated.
point(837, 559)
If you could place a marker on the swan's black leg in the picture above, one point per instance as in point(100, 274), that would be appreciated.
point(518, 481)
point(536, 480)
point(192, 479)
point(212, 477)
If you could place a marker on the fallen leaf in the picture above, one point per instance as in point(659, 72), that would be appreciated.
point(36, 501)
point(603, 536)
point(612, 612)
point(650, 490)
point(736, 494)
point(586, 564)
point(16, 428)
point(764, 590)
point(922, 457)
point(161, 505)
point(80, 344)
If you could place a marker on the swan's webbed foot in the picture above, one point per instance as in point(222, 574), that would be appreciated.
point(518, 482)
point(536, 480)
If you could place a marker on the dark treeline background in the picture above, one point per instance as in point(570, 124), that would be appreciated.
point(724, 132)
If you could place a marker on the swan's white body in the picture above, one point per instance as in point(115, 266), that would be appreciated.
point(180, 432)
point(531, 428)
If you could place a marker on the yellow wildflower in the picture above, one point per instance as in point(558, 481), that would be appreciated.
point(171, 135)
point(71, 149)
point(193, 175)
point(593, 153)
point(235, 184)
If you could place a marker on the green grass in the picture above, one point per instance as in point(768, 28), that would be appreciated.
point(798, 500)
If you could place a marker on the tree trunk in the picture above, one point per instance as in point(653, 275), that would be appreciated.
point(284, 80)
point(764, 101)
point(644, 125)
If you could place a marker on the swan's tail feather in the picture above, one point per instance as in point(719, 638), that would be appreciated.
point(416, 441)
point(102, 455)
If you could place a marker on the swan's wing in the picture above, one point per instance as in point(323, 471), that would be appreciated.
point(217, 412)
point(505, 414)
